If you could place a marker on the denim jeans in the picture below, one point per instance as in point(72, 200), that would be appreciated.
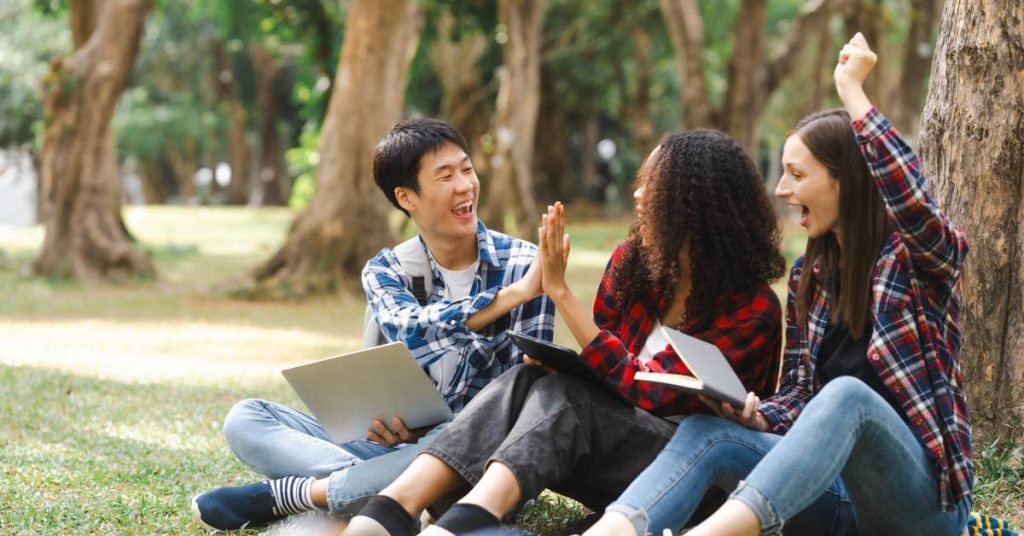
point(849, 465)
point(278, 441)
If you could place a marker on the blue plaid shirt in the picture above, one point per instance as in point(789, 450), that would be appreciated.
point(458, 360)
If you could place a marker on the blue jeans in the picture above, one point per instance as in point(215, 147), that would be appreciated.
point(278, 441)
point(849, 465)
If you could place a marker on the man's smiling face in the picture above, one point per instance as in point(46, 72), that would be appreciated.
point(446, 204)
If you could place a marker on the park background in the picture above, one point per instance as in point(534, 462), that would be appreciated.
point(186, 200)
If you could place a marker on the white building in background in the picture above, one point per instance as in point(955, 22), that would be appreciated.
point(18, 183)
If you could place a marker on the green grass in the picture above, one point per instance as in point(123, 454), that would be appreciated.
point(111, 398)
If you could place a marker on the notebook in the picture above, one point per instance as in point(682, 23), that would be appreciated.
point(712, 374)
point(347, 392)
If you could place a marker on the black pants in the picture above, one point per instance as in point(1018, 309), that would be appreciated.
point(553, 431)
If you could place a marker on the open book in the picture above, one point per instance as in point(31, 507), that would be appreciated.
point(712, 374)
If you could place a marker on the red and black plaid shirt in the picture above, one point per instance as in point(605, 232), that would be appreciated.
point(747, 328)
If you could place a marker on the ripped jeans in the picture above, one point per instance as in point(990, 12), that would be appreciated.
point(849, 465)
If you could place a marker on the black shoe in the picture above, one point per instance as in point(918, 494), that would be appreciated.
point(234, 508)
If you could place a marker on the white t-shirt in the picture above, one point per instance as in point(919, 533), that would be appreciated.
point(656, 342)
point(458, 283)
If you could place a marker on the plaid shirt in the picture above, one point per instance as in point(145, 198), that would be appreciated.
point(747, 328)
point(459, 361)
point(915, 335)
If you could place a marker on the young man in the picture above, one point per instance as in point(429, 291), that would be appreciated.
point(484, 284)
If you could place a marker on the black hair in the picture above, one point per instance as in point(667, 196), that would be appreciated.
point(396, 160)
point(701, 188)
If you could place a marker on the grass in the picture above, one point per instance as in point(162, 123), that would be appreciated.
point(111, 398)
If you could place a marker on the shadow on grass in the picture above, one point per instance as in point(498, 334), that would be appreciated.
point(82, 455)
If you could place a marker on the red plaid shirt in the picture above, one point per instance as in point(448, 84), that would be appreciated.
point(747, 328)
point(915, 326)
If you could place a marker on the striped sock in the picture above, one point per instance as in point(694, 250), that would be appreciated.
point(292, 495)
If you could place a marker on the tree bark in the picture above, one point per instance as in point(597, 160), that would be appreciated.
point(271, 160)
point(753, 75)
point(645, 134)
point(746, 95)
point(346, 222)
point(910, 89)
point(224, 82)
point(686, 28)
point(511, 184)
point(972, 144)
point(85, 236)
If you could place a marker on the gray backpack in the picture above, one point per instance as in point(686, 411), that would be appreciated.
point(412, 256)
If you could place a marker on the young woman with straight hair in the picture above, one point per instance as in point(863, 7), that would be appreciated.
point(877, 437)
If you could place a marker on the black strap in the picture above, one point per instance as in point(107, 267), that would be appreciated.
point(419, 290)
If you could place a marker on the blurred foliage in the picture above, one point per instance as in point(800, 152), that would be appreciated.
point(172, 112)
point(28, 40)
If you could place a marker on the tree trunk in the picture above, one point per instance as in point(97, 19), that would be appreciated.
point(184, 162)
point(972, 144)
point(745, 96)
point(456, 63)
point(511, 184)
point(753, 77)
point(645, 134)
point(686, 28)
point(917, 58)
point(553, 174)
point(346, 222)
point(224, 82)
point(85, 236)
point(272, 169)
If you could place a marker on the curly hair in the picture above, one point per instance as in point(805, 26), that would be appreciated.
point(700, 188)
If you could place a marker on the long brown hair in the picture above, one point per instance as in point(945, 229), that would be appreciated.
point(701, 188)
point(846, 263)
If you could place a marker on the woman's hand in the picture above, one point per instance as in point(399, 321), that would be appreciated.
point(554, 251)
point(748, 416)
point(856, 60)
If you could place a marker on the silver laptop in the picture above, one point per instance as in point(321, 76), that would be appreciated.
point(346, 393)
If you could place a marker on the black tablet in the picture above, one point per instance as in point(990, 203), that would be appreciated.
point(564, 360)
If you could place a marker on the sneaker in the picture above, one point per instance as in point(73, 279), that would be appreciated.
point(234, 508)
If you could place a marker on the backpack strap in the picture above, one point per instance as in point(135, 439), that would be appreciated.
point(412, 257)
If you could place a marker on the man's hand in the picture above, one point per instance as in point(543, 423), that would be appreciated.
point(379, 433)
point(748, 416)
point(529, 286)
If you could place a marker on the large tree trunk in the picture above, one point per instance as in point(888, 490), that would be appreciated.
point(746, 96)
point(972, 144)
point(273, 190)
point(908, 93)
point(511, 183)
point(238, 146)
point(686, 27)
point(346, 222)
point(638, 108)
point(85, 236)
point(456, 63)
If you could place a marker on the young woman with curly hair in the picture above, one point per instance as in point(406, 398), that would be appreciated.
point(877, 437)
point(701, 255)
